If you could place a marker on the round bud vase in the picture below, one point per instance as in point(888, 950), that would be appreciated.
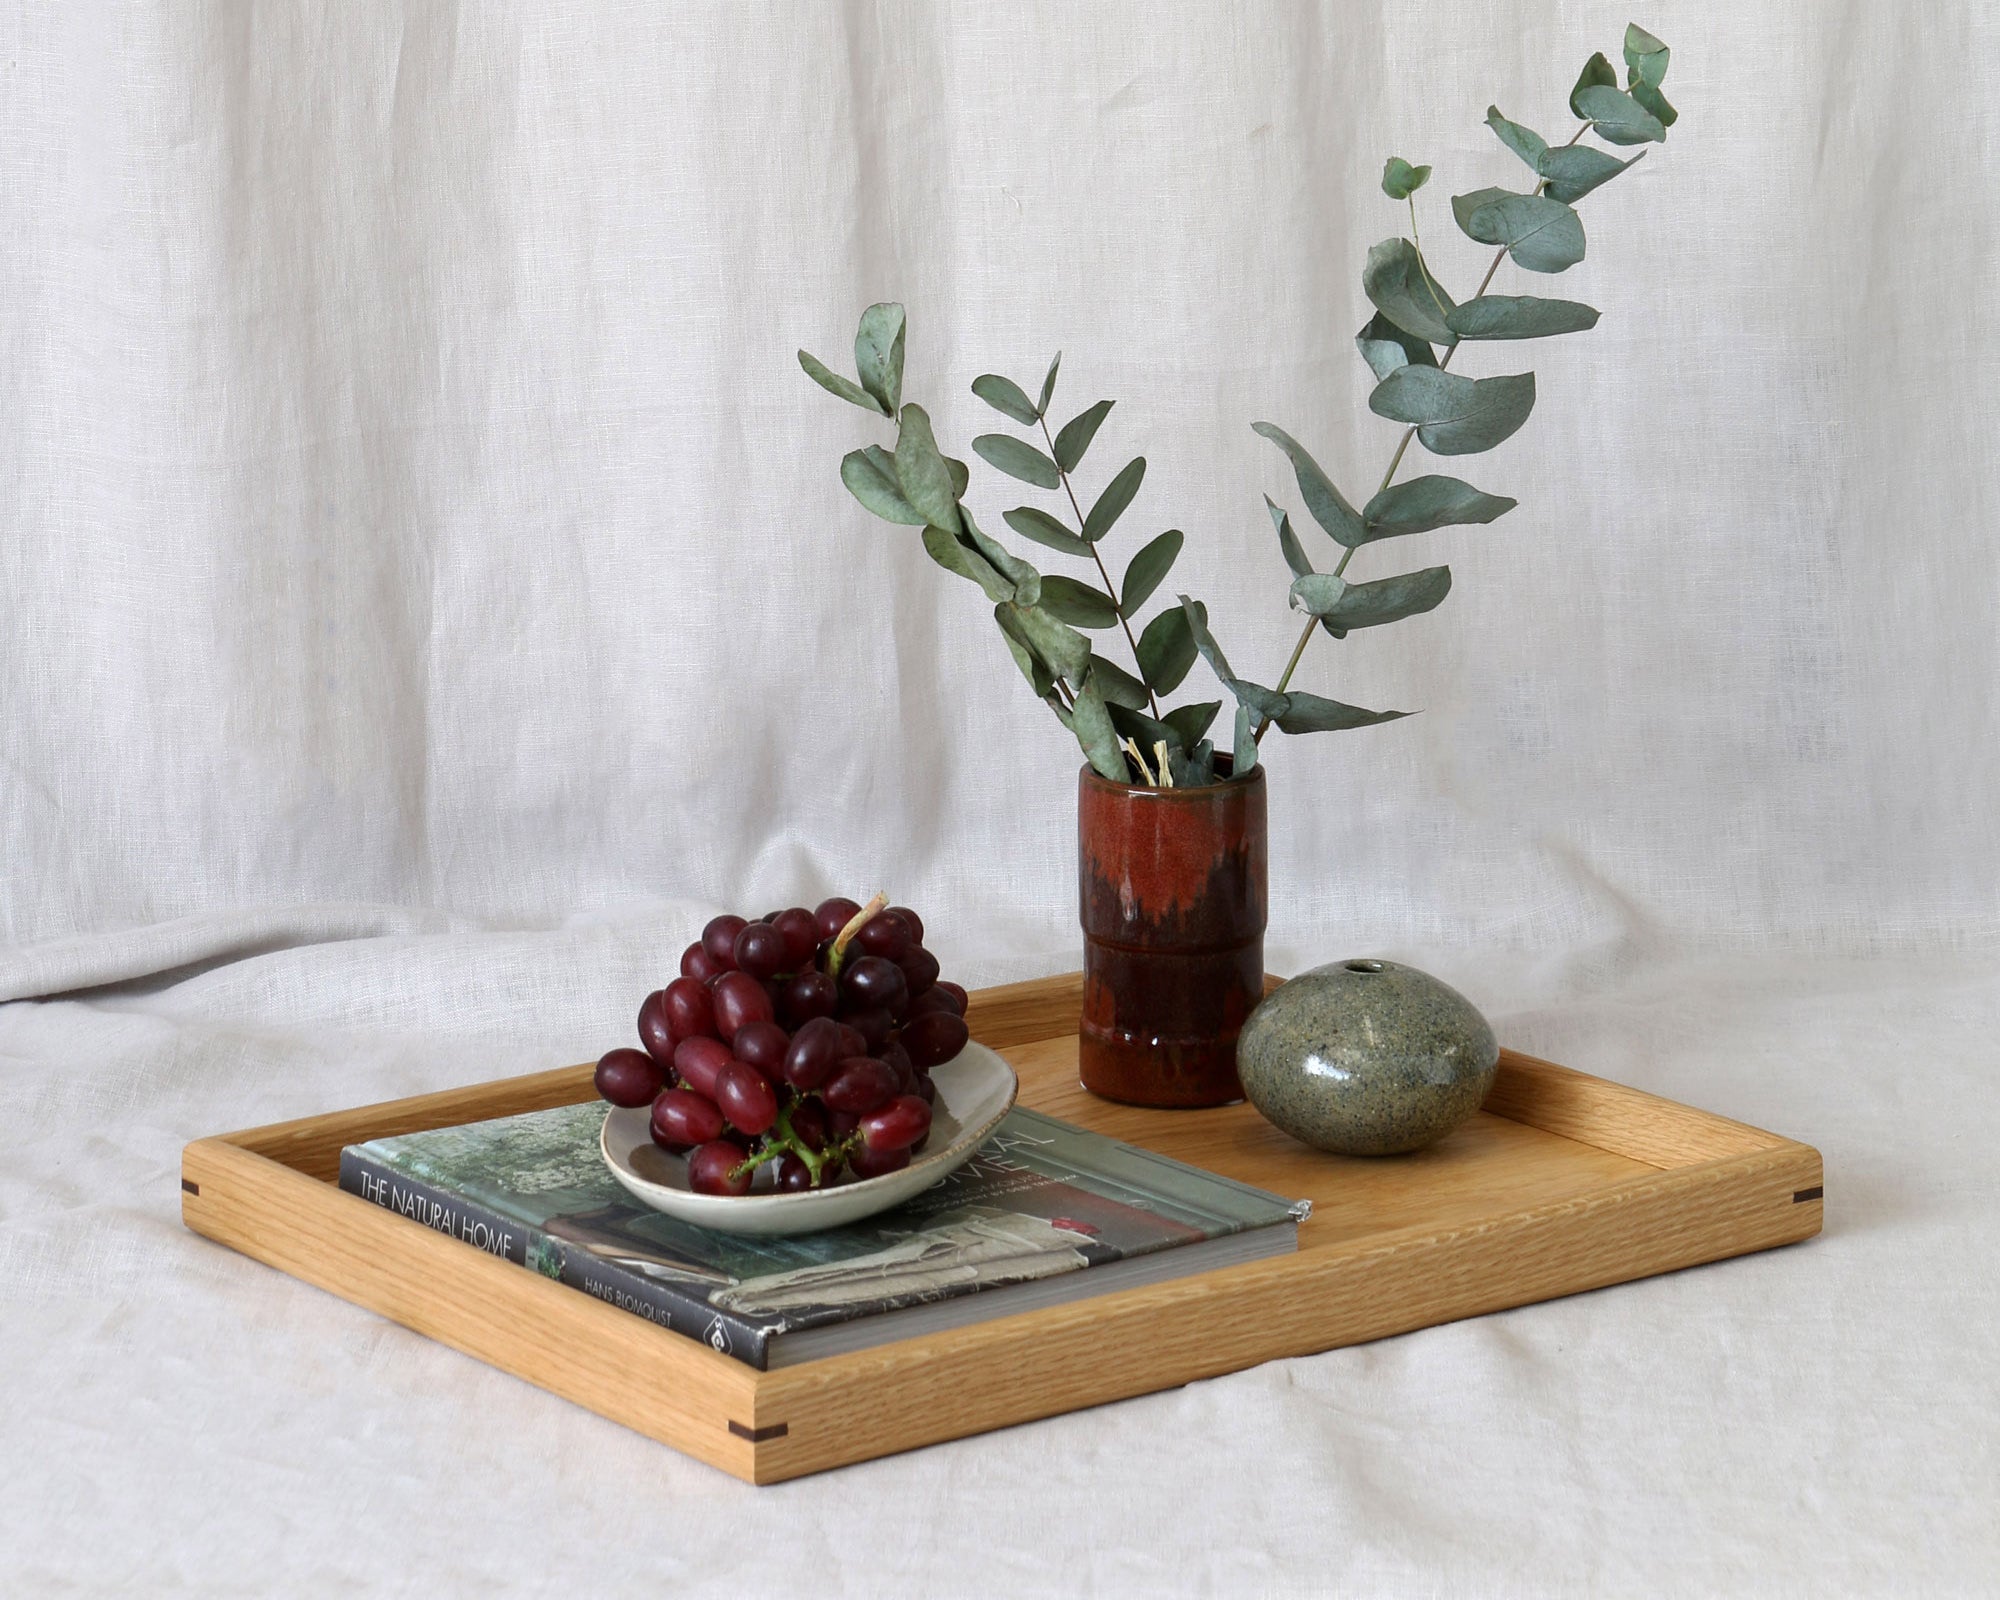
point(1367, 1058)
point(1172, 891)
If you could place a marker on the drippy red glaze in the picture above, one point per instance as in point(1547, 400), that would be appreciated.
point(1172, 894)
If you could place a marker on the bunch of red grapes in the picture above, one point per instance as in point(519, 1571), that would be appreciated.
point(804, 1039)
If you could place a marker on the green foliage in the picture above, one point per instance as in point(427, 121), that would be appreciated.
point(1005, 396)
point(1077, 433)
point(1400, 180)
point(1520, 316)
point(1017, 458)
point(1415, 331)
point(1541, 234)
point(1455, 416)
point(1149, 567)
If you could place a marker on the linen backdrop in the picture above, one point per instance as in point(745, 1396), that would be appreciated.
point(431, 594)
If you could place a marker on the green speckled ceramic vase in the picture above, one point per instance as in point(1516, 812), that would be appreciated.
point(1367, 1058)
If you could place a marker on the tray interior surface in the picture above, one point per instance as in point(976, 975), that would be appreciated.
point(1563, 1182)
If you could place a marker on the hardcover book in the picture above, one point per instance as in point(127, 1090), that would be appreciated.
point(1044, 1213)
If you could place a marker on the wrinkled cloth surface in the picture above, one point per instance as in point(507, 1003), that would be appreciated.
point(431, 594)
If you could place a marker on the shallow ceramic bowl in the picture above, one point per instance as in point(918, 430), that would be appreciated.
point(974, 1091)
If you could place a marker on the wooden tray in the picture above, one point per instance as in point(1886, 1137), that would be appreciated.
point(1563, 1182)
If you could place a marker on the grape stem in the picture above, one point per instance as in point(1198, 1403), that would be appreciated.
point(855, 923)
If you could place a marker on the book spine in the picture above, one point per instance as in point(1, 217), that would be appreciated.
point(449, 1213)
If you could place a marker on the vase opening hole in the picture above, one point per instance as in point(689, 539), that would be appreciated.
point(1364, 966)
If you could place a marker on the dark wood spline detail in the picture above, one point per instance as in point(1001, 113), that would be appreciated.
point(189, 1186)
point(777, 1430)
point(1816, 1192)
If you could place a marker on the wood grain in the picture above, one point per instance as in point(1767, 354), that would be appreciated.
point(1563, 1183)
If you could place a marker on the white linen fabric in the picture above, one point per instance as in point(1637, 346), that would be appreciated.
point(432, 594)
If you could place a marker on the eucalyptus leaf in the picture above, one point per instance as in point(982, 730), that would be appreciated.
point(878, 354)
point(1083, 604)
point(1039, 526)
point(1077, 433)
point(922, 473)
point(1148, 568)
point(1400, 180)
point(1243, 759)
point(1267, 703)
point(1646, 58)
point(870, 476)
point(1119, 686)
point(1520, 316)
point(1310, 713)
point(1018, 459)
point(1455, 416)
point(1190, 722)
point(1616, 116)
point(1166, 651)
point(1005, 396)
point(1596, 73)
point(1134, 724)
point(948, 553)
point(1054, 703)
point(833, 383)
point(1570, 173)
point(1327, 504)
point(961, 475)
point(1096, 733)
point(1369, 605)
point(1195, 770)
point(1117, 496)
point(1395, 280)
point(1529, 145)
point(1658, 104)
point(1048, 388)
point(1026, 580)
point(1288, 541)
point(1040, 679)
point(1541, 234)
point(1385, 347)
point(1317, 593)
point(1066, 652)
point(1429, 502)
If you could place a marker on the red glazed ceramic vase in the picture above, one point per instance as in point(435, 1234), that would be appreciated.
point(1172, 889)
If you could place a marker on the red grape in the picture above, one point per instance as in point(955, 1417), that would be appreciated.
point(710, 1165)
point(860, 1084)
point(956, 993)
point(930, 1000)
point(759, 950)
point(682, 1119)
point(911, 921)
point(719, 940)
point(699, 1060)
point(815, 1050)
point(873, 983)
point(763, 1045)
point(698, 964)
point(656, 1030)
point(690, 1008)
point(869, 1163)
point(746, 1099)
point(740, 998)
point(629, 1077)
point(920, 969)
point(839, 1124)
point(800, 931)
point(898, 1125)
point(807, 995)
point(853, 1042)
point(897, 1060)
point(926, 1090)
point(793, 1174)
point(934, 1038)
point(833, 915)
point(873, 1026)
point(809, 1123)
point(885, 934)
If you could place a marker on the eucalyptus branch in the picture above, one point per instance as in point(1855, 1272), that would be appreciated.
point(1110, 588)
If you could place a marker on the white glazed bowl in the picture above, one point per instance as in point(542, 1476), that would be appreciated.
point(974, 1091)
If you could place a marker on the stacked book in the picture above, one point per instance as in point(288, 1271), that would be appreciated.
point(1044, 1214)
